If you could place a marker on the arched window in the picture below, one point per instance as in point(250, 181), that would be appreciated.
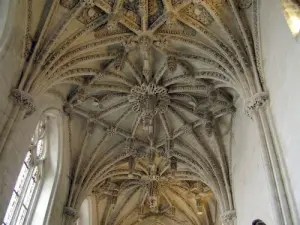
point(29, 180)
point(292, 15)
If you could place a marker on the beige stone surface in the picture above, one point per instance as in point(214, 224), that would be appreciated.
point(148, 91)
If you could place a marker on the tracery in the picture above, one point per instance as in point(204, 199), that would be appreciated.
point(22, 203)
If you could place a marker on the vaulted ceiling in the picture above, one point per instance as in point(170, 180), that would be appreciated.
point(149, 87)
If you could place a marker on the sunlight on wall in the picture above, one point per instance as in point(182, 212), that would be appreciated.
point(292, 15)
point(294, 24)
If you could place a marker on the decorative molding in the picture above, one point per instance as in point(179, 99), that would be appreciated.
point(149, 100)
point(244, 4)
point(67, 109)
point(228, 217)
point(256, 102)
point(71, 213)
point(24, 100)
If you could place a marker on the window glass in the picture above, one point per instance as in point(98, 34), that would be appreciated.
point(11, 208)
point(21, 179)
point(27, 183)
point(21, 217)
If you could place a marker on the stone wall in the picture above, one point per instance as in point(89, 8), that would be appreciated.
point(281, 60)
point(10, 70)
point(11, 60)
point(12, 156)
point(85, 213)
point(250, 184)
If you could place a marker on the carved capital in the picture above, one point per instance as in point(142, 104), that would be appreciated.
point(256, 102)
point(24, 100)
point(228, 217)
point(71, 214)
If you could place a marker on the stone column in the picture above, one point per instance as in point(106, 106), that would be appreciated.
point(256, 108)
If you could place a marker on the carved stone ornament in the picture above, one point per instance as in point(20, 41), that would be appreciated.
point(244, 4)
point(145, 43)
point(149, 100)
point(187, 129)
point(256, 102)
point(150, 80)
point(91, 127)
point(67, 108)
point(68, 3)
point(24, 100)
point(228, 217)
point(71, 214)
point(93, 116)
point(88, 3)
point(111, 131)
point(172, 64)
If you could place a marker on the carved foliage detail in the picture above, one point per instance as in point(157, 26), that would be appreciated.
point(24, 100)
point(244, 4)
point(71, 214)
point(256, 102)
point(149, 100)
point(228, 217)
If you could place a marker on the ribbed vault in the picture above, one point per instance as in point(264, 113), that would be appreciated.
point(149, 87)
point(162, 134)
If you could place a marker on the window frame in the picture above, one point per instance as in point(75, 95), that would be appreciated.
point(34, 162)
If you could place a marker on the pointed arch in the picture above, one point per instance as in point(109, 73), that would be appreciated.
point(38, 179)
point(53, 167)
